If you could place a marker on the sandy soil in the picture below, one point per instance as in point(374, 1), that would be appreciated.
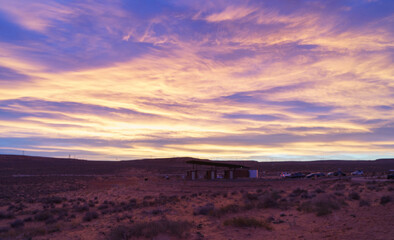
point(142, 204)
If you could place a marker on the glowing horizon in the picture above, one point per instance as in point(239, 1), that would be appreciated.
point(258, 80)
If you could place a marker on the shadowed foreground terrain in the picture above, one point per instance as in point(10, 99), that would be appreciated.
point(48, 198)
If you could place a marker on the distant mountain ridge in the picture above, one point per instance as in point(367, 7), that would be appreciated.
point(20, 164)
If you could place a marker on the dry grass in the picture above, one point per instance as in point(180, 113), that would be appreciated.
point(247, 222)
point(231, 208)
point(385, 199)
point(177, 229)
point(321, 206)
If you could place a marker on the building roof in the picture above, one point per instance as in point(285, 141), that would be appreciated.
point(216, 164)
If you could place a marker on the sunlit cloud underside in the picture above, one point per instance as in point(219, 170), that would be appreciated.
point(262, 80)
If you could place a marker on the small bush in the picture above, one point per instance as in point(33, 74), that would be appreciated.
point(204, 210)
point(232, 208)
point(89, 216)
point(251, 196)
point(247, 222)
point(354, 196)
point(50, 221)
point(42, 216)
point(363, 203)
point(321, 206)
point(148, 197)
point(82, 208)
point(151, 229)
point(53, 200)
point(385, 199)
point(269, 200)
point(6, 215)
point(339, 194)
point(319, 190)
point(297, 192)
point(133, 202)
point(17, 223)
point(339, 187)
point(102, 206)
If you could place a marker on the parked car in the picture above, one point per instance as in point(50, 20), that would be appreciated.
point(337, 174)
point(357, 173)
point(312, 175)
point(297, 175)
point(285, 174)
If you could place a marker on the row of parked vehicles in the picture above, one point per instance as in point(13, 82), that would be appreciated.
point(319, 174)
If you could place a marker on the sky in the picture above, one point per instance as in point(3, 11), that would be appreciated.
point(252, 80)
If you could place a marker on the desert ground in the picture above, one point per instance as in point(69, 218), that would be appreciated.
point(47, 198)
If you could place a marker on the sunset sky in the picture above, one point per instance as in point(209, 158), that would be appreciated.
point(261, 80)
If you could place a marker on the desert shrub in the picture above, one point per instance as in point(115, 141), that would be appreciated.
point(269, 200)
point(30, 233)
point(128, 206)
point(234, 193)
point(297, 192)
point(53, 200)
point(148, 197)
point(231, 208)
point(363, 203)
point(102, 206)
point(89, 216)
point(214, 195)
point(119, 233)
point(17, 223)
point(161, 200)
point(42, 216)
point(339, 194)
point(339, 187)
point(385, 199)
point(251, 196)
point(16, 208)
point(204, 210)
point(151, 229)
point(156, 212)
point(82, 208)
point(53, 228)
point(91, 203)
point(133, 202)
point(354, 196)
point(247, 222)
point(321, 206)
point(4, 229)
point(319, 190)
point(6, 215)
point(50, 220)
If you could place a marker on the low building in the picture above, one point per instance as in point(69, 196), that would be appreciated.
point(230, 171)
